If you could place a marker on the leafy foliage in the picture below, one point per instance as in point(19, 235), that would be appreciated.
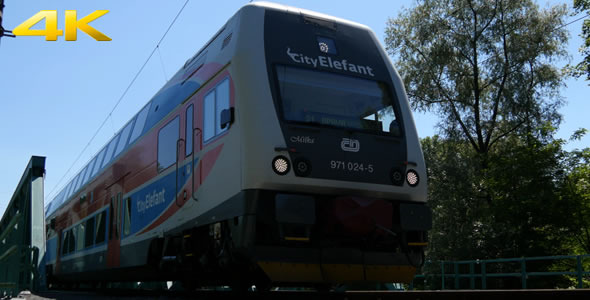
point(583, 6)
point(521, 216)
point(500, 185)
point(576, 193)
point(483, 66)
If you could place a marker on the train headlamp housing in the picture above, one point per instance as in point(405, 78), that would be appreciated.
point(412, 178)
point(302, 167)
point(397, 176)
point(281, 165)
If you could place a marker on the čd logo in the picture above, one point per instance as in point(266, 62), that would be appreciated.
point(72, 25)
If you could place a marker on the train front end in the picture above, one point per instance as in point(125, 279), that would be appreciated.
point(333, 173)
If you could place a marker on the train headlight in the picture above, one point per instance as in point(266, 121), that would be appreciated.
point(280, 165)
point(412, 178)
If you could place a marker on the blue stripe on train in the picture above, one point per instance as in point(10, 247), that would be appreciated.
point(152, 200)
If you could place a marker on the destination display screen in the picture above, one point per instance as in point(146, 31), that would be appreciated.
point(329, 99)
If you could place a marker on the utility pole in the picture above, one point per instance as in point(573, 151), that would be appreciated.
point(3, 32)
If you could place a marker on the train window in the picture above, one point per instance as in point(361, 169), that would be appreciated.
point(141, 117)
point(90, 166)
point(216, 101)
point(124, 136)
point(72, 240)
point(209, 116)
point(72, 187)
point(64, 242)
point(99, 158)
point(80, 179)
point(221, 103)
point(127, 216)
point(110, 151)
point(100, 227)
point(74, 184)
point(307, 96)
point(188, 132)
point(47, 208)
point(80, 236)
point(89, 237)
point(167, 138)
point(69, 190)
point(53, 205)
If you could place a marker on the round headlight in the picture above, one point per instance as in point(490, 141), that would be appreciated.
point(412, 178)
point(280, 165)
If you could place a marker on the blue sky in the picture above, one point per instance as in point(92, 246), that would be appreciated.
point(54, 95)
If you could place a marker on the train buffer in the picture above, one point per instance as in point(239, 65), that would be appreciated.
point(22, 233)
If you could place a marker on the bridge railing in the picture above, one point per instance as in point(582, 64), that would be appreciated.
point(451, 274)
point(22, 232)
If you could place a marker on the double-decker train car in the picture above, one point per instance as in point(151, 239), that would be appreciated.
point(283, 152)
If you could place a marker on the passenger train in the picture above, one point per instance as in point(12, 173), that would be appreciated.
point(283, 152)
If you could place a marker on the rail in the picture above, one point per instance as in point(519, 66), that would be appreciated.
point(478, 271)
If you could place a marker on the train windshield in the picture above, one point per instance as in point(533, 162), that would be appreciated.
point(329, 99)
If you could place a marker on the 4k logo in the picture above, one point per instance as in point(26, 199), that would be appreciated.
point(72, 25)
point(350, 145)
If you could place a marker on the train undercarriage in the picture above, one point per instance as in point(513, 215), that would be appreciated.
point(291, 239)
point(267, 239)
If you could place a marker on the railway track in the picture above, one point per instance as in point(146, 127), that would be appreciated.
point(307, 295)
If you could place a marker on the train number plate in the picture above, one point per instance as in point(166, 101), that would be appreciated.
point(351, 166)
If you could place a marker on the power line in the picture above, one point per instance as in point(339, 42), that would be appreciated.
point(120, 98)
point(572, 22)
point(162, 63)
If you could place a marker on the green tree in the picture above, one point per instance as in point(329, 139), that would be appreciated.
point(576, 193)
point(526, 216)
point(583, 6)
point(485, 67)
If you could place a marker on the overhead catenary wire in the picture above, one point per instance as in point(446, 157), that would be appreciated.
point(119, 100)
point(162, 63)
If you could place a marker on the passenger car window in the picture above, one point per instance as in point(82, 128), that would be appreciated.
point(110, 151)
point(127, 216)
point(64, 242)
point(90, 166)
point(89, 238)
point(81, 236)
point(99, 161)
point(138, 128)
point(124, 136)
point(100, 227)
point(209, 116)
point(214, 103)
point(167, 138)
point(221, 103)
point(72, 240)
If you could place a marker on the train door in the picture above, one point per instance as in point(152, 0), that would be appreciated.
point(114, 244)
point(194, 142)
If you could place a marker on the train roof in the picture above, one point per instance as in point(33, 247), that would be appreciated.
point(297, 10)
